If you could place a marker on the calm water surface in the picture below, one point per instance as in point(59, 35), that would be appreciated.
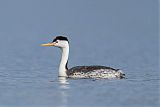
point(28, 76)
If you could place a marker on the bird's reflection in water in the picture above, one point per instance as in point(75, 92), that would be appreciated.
point(64, 86)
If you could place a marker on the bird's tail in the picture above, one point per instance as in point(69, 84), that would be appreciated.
point(122, 75)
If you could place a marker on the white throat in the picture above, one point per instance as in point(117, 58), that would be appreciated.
point(63, 62)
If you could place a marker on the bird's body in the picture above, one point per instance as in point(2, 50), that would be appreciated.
point(81, 71)
point(94, 72)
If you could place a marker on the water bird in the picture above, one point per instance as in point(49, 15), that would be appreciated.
point(94, 71)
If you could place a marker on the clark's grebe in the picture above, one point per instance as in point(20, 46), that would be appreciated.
point(81, 71)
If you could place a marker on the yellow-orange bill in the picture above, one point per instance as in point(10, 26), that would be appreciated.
point(48, 44)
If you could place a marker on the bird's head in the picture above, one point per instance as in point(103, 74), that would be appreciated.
point(59, 41)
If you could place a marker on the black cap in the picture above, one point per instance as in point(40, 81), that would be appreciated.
point(60, 38)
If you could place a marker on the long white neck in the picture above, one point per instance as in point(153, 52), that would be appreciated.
point(63, 62)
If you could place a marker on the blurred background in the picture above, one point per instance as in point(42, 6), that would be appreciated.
point(118, 33)
point(128, 25)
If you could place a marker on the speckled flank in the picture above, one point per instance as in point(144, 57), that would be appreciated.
point(95, 72)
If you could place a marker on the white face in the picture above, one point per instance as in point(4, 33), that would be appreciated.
point(61, 43)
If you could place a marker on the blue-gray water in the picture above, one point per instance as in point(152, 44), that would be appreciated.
point(117, 33)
